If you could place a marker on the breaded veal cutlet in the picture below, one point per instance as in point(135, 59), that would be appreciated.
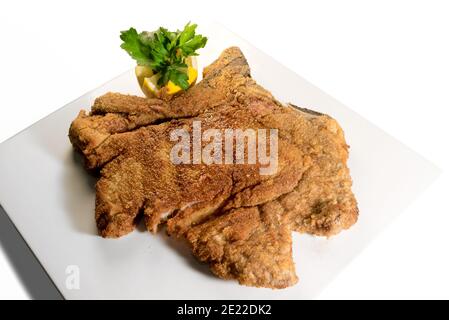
point(234, 218)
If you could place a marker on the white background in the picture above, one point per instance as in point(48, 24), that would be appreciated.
point(387, 60)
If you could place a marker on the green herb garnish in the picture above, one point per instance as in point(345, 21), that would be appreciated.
point(164, 51)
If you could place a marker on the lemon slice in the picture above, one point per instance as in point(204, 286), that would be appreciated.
point(148, 80)
point(142, 72)
point(193, 75)
point(192, 72)
point(150, 87)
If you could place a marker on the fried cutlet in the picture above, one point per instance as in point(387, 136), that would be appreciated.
point(234, 218)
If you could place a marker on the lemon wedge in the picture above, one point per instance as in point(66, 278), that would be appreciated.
point(150, 87)
point(148, 81)
point(193, 75)
point(143, 72)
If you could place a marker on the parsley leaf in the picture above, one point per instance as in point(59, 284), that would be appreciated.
point(179, 78)
point(132, 45)
point(164, 51)
point(189, 42)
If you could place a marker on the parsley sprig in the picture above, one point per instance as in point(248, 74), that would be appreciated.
point(164, 51)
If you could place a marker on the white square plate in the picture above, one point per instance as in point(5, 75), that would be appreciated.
point(50, 199)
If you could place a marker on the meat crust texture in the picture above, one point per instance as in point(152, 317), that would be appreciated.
point(233, 217)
